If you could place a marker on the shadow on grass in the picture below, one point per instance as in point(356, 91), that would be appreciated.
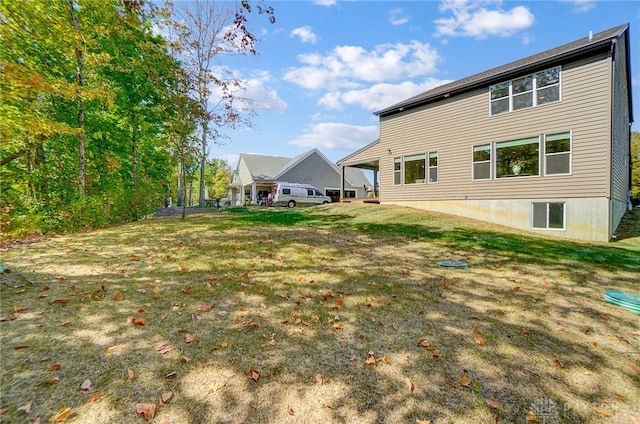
point(365, 299)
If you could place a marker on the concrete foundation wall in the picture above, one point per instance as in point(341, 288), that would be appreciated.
point(585, 218)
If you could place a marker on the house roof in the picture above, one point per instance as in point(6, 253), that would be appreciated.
point(586, 45)
point(264, 167)
point(270, 168)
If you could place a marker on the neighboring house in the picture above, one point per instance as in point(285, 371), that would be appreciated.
point(255, 175)
point(540, 144)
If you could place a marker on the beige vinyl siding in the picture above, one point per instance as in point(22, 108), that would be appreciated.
point(454, 125)
point(620, 126)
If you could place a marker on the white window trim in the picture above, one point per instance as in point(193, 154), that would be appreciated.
point(534, 90)
point(491, 149)
point(516, 177)
point(401, 170)
point(547, 228)
point(544, 152)
point(426, 167)
point(429, 168)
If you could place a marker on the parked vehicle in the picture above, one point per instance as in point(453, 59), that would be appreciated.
point(293, 194)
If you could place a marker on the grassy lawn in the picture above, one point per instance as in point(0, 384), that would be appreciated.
point(331, 314)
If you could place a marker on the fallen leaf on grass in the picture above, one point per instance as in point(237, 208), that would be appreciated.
point(130, 374)
point(166, 397)
point(186, 290)
point(604, 411)
point(205, 308)
point(409, 384)
point(222, 313)
point(250, 323)
point(26, 408)
point(111, 349)
point(423, 343)
point(148, 410)
point(54, 367)
point(465, 380)
point(64, 300)
point(164, 349)
point(117, 297)
point(477, 337)
point(634, 369)
point(94, 398)
point(60, 416)
point(558, 363)
point(51, 381)
point(86, 384)
point(255, 375)
point(9, 317)
point(3, 411)
point(492, 402)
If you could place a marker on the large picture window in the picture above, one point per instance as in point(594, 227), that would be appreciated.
point(518, 158)
point(557, 154)
point(414, 169)
point(548, 215)
point(482, 162)
point(524, 92)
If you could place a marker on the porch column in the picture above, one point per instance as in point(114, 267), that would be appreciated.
point(341, 183)
point(254, 192)
point(375, 183)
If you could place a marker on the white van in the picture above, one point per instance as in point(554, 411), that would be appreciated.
point(292, 194)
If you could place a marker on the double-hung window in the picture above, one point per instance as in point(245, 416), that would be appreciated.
point(557, 154)
point(397, 171)
point(433, 167)
point(524, 92)
point(482, 162)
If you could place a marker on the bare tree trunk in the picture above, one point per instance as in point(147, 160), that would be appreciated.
point(80, 80)
point(203, 162)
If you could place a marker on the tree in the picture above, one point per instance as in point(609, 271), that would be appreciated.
point(219, 174)
point(206, 31)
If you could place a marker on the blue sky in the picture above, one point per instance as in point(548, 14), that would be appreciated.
point(325, 66)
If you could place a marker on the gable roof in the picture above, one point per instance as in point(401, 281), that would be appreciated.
point(263, 167)
point(578, 48)
point(271, 168)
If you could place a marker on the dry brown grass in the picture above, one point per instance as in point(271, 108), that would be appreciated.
point(342, 310)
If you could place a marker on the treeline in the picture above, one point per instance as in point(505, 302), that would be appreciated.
point(98, 111)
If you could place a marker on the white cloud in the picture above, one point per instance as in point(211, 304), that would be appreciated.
point(581, 6)
point(398, 17)
point(352, 66)
point(325, 2)
point(305, 34)
point(255, 93)
point(378, 96)
point(635, 82)
point(336, 136)
point(473, 19)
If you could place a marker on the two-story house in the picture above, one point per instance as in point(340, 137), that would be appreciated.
point(540, 144)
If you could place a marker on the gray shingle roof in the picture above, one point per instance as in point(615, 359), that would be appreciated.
point(546, 58)
point(264, 167)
